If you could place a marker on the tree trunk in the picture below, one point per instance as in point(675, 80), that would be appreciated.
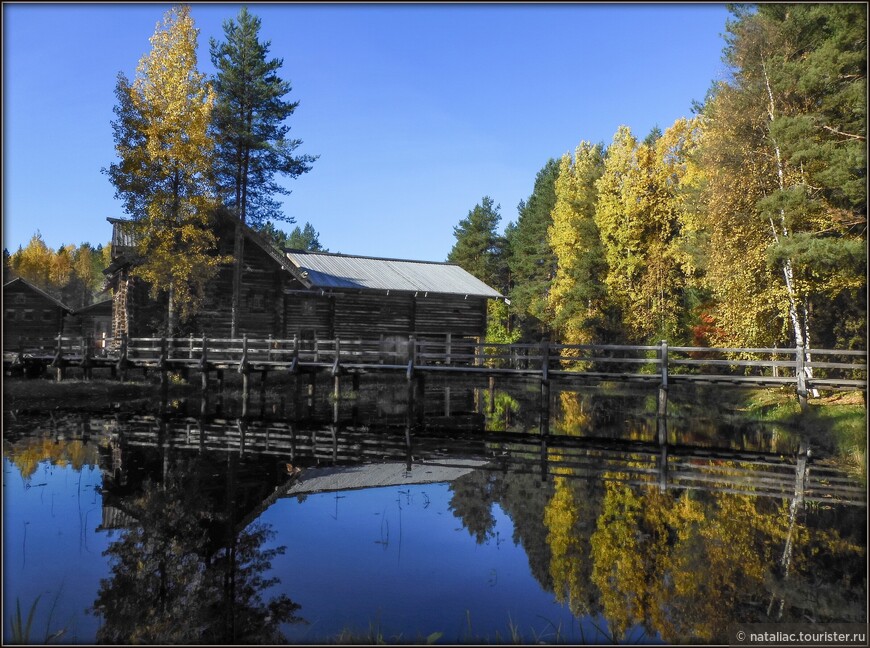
point(238, 262)
point(800, 326)
point(238, 250)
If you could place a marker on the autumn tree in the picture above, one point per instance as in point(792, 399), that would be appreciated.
point(164, 172)
point(577, 297)
point(784, 148)
point(250, 132)
point(33, 262)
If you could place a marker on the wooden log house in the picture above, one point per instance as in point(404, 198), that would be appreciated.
point(311, 295)
point(30, 312)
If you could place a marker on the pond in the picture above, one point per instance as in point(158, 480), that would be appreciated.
point(443, 516)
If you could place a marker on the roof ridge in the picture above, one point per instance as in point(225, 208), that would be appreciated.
point(363, 256)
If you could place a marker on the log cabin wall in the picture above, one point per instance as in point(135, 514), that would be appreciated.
point(368, 315)
point(261, 311)
point(454, 314)
point(28, 314)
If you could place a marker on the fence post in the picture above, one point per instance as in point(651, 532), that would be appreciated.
point(162, 364)
point(545, 388)
point(294, 365)
point(86, 357)
point(122, 360)
point(448, 348)
point(336, 365)
point(57, 363)
point(663, 387)
point(801, 376)
point(545, 359)
point(203, 365)
point(190, 347)
point(243, 363)
point(269, 352)
point(412, 353)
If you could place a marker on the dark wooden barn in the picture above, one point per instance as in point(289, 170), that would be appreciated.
point(286, 293)
point(94, 321)
point(30, 312)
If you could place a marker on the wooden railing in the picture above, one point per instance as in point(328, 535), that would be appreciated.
point(659, 364)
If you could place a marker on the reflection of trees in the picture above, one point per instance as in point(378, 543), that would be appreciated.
point(521, 496)
point(687, 567)
point(570, 518)
point(172, 582)
point(27, 453)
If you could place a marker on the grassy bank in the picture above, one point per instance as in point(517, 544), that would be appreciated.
point(77, 394)
point(837, 422)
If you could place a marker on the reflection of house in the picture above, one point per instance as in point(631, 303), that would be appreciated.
point(29, 312)
point(287, 293)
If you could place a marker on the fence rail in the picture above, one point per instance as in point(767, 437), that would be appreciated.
point(806, 369)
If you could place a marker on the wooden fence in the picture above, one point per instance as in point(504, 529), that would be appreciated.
point(661, 365)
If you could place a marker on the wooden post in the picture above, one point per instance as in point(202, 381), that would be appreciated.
point(122, 360)
point(203, 365)
point(545, 359)
point(316, 350)
point(663, 387)
point(190, 347)
point(57, 363)
point(86, 357)
point(663, 453)
point(492, 394)
point(447, 401)
point(243, 369)
point(294, 364)
point(801, 376)
point(448, 349)
point(162, 364)
point(269, 351)
point(336, 365)
point(545, 387)
point(412, 353)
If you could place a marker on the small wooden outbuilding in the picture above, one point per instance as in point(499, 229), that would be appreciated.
point(30, 312)
point(286, 293)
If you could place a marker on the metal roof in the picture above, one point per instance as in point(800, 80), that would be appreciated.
point(346, 272)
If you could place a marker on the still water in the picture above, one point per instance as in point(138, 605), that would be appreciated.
point(449, 518)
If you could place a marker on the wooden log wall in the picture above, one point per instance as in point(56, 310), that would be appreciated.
point(29, 314)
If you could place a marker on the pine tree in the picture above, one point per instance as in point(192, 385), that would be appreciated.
point(164, 172)
point(531, 260)
point(478, 248)
point(250, 131)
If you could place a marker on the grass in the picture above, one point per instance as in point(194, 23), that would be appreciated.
point(21, 629)
point(42, 394)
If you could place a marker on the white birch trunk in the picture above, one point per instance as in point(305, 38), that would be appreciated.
point(800, 328)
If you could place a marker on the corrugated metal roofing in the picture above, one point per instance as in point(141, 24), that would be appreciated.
point(338, 271)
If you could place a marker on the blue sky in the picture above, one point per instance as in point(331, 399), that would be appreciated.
point(417, 111)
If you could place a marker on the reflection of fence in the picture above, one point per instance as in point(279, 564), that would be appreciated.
point(804, 369)
point(663, 465)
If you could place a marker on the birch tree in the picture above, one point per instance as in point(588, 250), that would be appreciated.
point(164, 171)
point(784, 148)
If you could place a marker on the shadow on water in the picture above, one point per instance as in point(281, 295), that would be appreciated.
point(637, 525)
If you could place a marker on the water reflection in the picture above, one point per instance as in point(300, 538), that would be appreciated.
point(184, 571)
point(635, 527)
